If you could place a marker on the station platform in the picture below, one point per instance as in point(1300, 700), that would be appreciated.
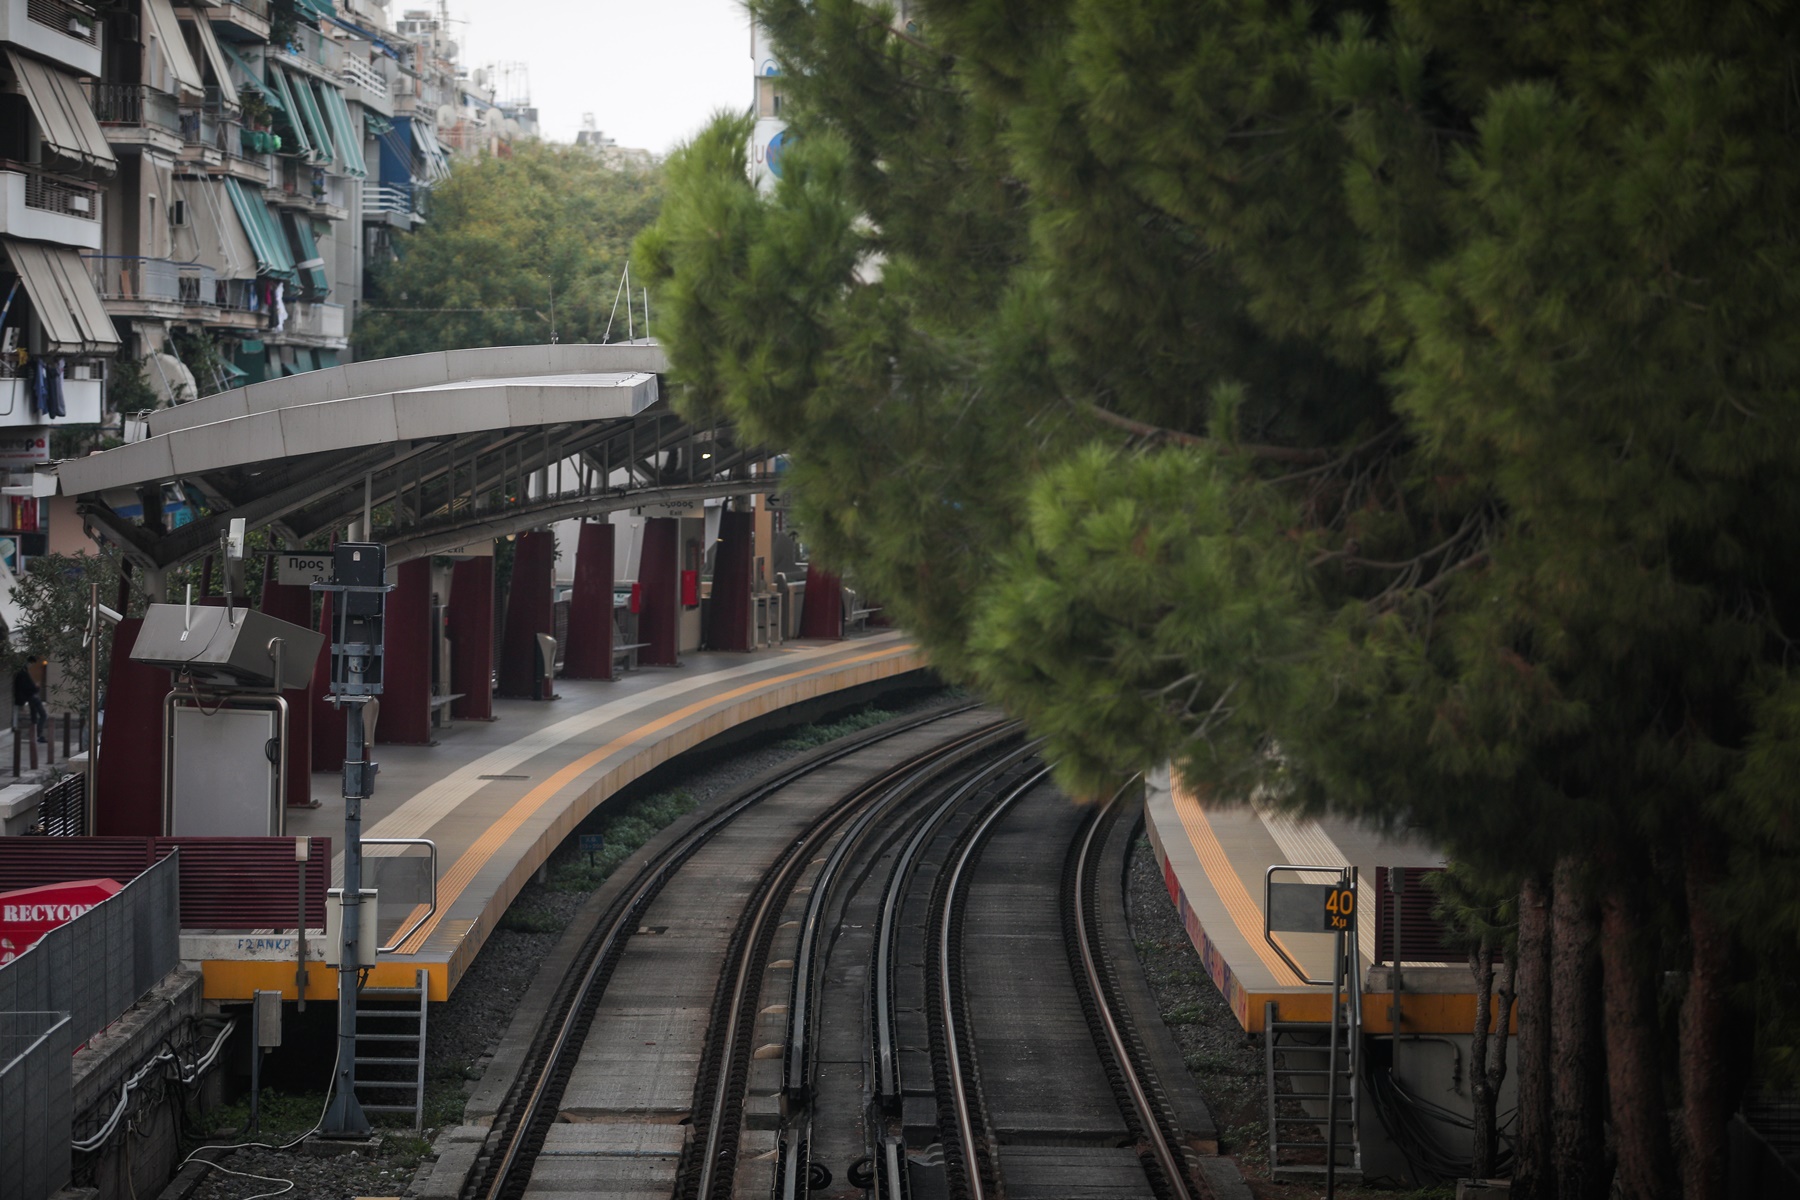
point(1214, 857)
point(498, 797)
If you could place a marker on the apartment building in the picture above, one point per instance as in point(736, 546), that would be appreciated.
point(193, 192)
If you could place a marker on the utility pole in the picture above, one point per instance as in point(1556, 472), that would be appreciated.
point(359, 582)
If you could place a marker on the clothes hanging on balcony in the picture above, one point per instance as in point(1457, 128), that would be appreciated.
point(54, 408)
point(279, 307)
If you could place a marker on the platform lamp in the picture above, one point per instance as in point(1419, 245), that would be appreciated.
point(359, 583)
point(97, 612)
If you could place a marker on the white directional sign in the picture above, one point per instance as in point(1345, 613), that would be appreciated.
point(303, 569)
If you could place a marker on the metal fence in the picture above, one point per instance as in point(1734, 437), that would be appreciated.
point(62, 809)
point(96, 966)
point(35, 1103)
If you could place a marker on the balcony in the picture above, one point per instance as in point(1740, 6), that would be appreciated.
point(44, 208)
point(132, 286)
point(316, 322)
point(135, 115)
point(65, 32)
point(313, 52)
point(258, 170)
point(388, 204)
point(365, 84)
point(241, 20)
point(205, 136)
point(308, 189)
point(81, 398)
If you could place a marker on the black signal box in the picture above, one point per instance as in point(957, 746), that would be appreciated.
point(360, 565)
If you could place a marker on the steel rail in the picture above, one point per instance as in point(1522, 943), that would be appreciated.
point(1087, 938)
point(607, 944)
point(960, 1087)
point(717, 1157)
point(799, 1060)
point(802, 1009)
point(887, 1063)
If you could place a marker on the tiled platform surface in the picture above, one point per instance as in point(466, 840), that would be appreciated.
point(497, 797)
point(1213, 858)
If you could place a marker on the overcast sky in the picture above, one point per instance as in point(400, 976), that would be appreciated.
point(651, 71)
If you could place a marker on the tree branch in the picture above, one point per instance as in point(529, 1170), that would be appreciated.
point(1291, 454)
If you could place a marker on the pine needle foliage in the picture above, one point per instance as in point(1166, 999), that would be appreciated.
point(1390, 404)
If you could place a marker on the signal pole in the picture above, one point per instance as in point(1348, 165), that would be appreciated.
point(359, 581)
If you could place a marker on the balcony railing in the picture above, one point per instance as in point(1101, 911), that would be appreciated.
point(128, 277)
point(234, 295)
point(135, 104)
point(49, 194)
point(76, 20)
point(360, 73)
point(382, 199)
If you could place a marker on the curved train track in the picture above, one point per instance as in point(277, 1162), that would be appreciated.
point(787, 990)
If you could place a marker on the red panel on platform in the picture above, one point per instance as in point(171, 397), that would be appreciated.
point(659, 615)
point(472, 638)
point(292, 603)
point(226, 883)
point(406, 672)
point(589, 653)
point(822, 607)
point(129, 796)
point(728, 616)
point(530, 610)
point(1423, 938)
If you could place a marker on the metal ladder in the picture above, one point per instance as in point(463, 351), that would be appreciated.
point(1299, 1053)
point(381, 1066)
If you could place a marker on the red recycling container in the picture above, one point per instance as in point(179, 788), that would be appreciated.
point(28, 914)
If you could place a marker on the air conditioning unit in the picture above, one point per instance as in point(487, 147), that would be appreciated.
point(80, 204)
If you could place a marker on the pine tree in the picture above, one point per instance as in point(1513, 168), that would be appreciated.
point(1390, 404)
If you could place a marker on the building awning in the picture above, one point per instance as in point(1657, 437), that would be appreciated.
point(346, 134)
point(68, 307)
point(281, 99)
point(215, 54)
point(214, 234)
point(63, 112)
point(307, 259)
point(272, 254)
point(437, 163)
point(316, 129)
point(165, 31)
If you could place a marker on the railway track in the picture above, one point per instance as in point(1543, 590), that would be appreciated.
point(718, 855)
point(841, 982)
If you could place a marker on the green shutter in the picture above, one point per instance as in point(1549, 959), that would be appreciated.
point(305, 249)
point(302, 90)
point(272, 255)
point(345, 133)
point(289, 108)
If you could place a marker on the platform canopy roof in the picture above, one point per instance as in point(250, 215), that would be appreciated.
point(449, 448)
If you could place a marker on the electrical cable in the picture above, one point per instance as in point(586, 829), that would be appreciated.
point(317, 1125)
point(185, 1074)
